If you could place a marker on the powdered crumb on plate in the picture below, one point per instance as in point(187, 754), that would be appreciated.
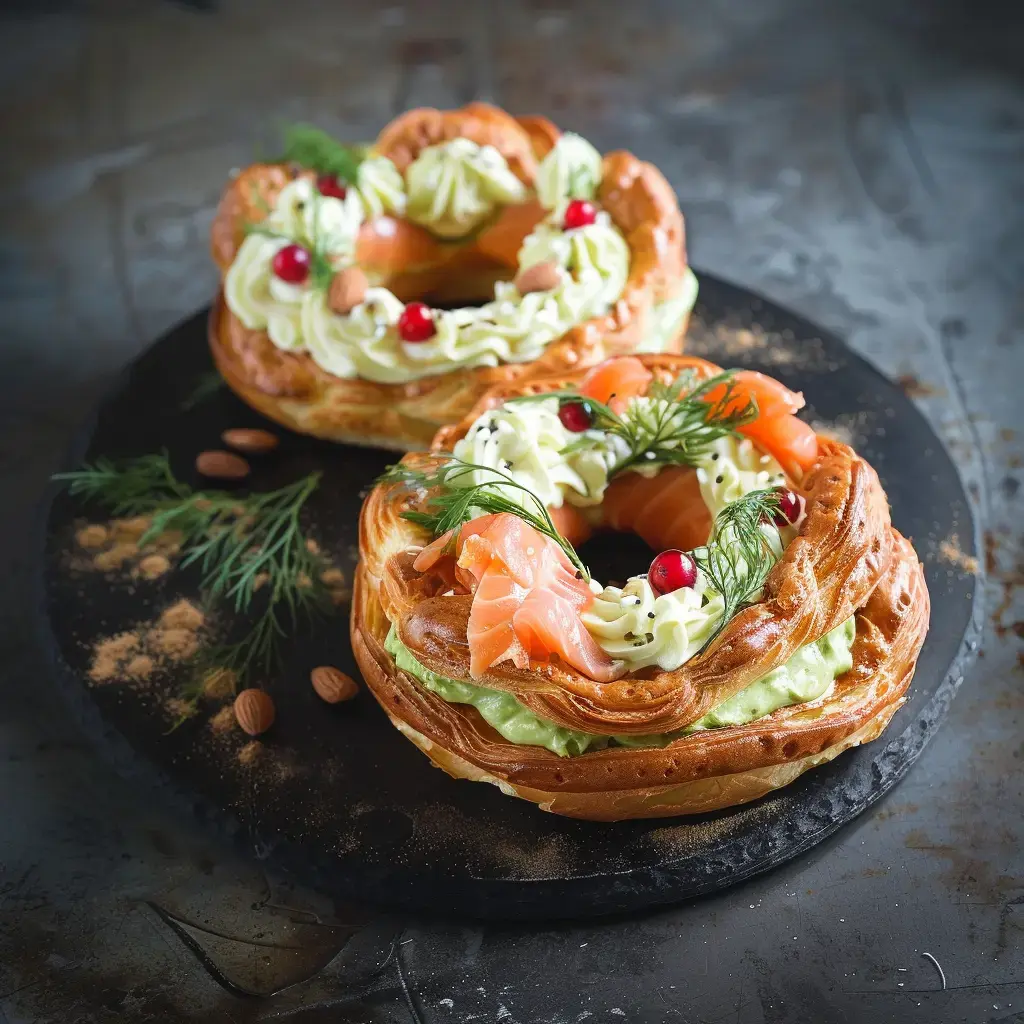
point(115, 557)
point(220, 684)
point(181, 615)
point(250, 752)
point(949, 551)
point(130, 529)
point(179, 709)
point(224, 720)
point(92, 536)
point(153, 566)
point(176, 644)
point(110, 655)
point(332, 577)
point(140, 667)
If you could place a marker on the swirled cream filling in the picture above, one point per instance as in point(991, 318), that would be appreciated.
point(571, 170)
point(807, 677)
point(365, 343)
point(525, 442)
point(456, 186)
point(380, 187)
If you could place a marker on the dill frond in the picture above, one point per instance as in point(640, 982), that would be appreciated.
point(451, 504)
point(240, 543)
point(739, 554)
point(309, 146)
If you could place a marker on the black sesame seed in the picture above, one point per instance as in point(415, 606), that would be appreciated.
point(493, 424)
point(637, 601)
point(719, 478)
point(508, 465)
point(579, 575)
point(629, 635)
point(650, 615)
point(650, 638)
point(714, 456)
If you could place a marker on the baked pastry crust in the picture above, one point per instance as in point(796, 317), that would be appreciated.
point(847, 559)
point(292, 389)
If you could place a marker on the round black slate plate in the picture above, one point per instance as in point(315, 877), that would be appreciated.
point(340, 798)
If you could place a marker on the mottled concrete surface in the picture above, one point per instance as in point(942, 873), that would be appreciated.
point(861, 163)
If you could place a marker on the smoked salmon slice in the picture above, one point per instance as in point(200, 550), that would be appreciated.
point(504, 238)
point(527, 598)
point(773, 398)
point(666, 511)
point(790, 441)
point(615, 381)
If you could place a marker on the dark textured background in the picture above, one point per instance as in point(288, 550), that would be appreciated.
point(860, 162)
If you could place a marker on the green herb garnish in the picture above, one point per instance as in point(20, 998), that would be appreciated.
point(739, 554)
point(677, 428)
point(454, 504)
point(243, 544)
point(312, 147)
point(206, 387)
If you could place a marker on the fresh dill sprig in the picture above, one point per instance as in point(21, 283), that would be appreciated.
point(452, 504)
point(677, 427)
point(131, 488)
point(309, 146)
point(739, 554)
point(242, 545)
point(206, 387)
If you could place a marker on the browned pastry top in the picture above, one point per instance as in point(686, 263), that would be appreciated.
point(291, 387)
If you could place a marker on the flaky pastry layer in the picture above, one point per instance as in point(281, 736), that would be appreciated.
point(290, 388)
point(847, 559)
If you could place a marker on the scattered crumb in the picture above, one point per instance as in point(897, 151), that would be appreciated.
point(223, 720)
point(220, 684)
point(302, 580)
point(153, 566)
point(140, 667)
point(180, 709)
point(312, 547)
point(115, 546)
point(110, 655)
point(332, 577)
point(115, 557)
point(92, 536)
point(181, 615)
point(949, 551)
point(912, 387)
point(130, 529)
point(177, 644)
point(250, 752)
point(134, 656)
point(260, 580)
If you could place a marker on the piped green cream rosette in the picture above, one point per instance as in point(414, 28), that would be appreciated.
point(451, 189)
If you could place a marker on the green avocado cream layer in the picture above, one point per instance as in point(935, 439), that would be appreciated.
point(805, 677)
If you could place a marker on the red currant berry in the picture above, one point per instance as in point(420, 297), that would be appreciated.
point(578, 214)
point(328, 185)
point(672, 570)
point(291, 264)
point(576, 416)
point(416, 322)
point(789, 507)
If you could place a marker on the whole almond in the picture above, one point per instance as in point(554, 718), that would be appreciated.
point(222, 465)
point(541, 277)
point(250, 440)
point(332, 685)
point(348, 288)
point(254, 711)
